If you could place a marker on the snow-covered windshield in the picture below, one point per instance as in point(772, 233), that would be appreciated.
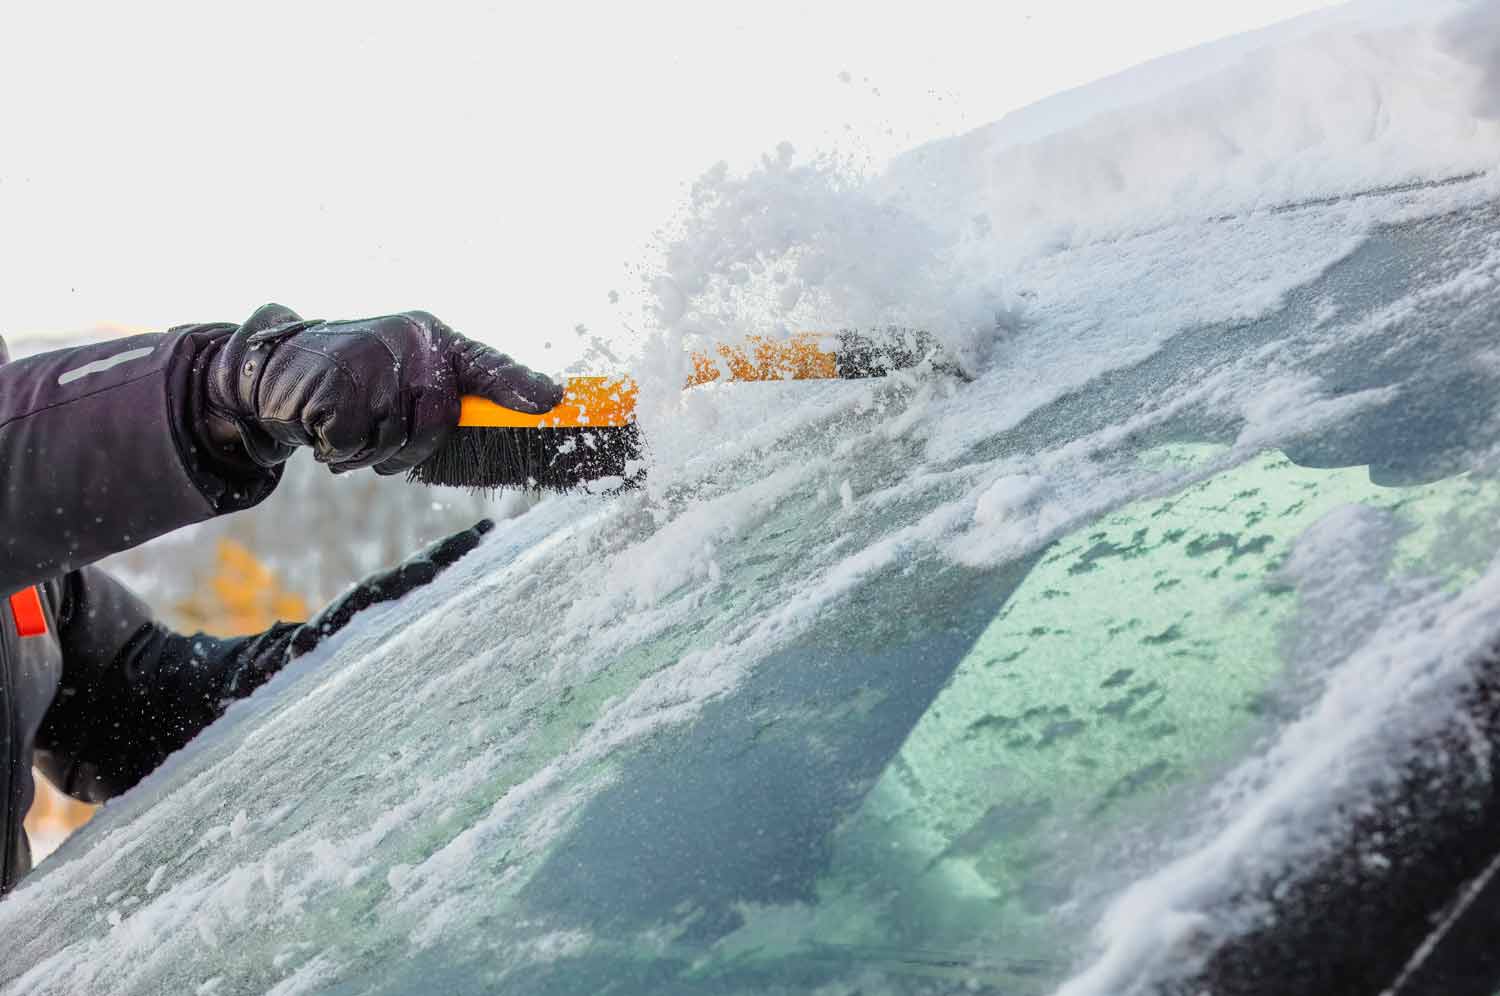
point(1001, 684)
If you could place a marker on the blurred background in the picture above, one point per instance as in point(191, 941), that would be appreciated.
point(507, 167)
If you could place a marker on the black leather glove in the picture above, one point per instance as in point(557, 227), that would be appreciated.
point(418, 570)
point(375, 392)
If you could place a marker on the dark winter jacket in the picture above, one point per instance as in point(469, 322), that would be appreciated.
point(97, 456)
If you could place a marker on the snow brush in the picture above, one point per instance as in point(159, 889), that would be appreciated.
point(592, 435)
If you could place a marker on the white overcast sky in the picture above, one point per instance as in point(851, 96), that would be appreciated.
point(165, 161)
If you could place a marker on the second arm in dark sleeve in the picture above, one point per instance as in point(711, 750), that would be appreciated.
point(133, 692)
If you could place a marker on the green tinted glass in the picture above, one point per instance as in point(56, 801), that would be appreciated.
point(1138, 657)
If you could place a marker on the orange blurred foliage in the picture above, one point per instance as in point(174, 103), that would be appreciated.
point(243, 596)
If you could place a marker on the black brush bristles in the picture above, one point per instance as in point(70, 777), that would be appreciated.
point(486, 459)
point(863, 354)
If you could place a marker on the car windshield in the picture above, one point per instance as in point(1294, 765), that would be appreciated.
point(898, 688)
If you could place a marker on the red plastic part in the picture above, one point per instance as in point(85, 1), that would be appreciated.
point(26, 606)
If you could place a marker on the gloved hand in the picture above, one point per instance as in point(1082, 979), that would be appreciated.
point(417, 570)
point(375, 392)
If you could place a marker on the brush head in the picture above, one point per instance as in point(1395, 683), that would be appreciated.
point(592, 436)
point(548, 459)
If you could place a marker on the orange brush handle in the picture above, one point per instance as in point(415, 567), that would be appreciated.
point(587, 402)
point(595, 402)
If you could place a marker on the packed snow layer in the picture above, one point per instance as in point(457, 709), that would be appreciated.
point(1293, 253)
point(1359, 103)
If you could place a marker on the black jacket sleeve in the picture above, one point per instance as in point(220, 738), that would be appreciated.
point(99, 453)
point(134, 692)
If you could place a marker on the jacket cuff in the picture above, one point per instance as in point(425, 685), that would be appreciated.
point(226, 477)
